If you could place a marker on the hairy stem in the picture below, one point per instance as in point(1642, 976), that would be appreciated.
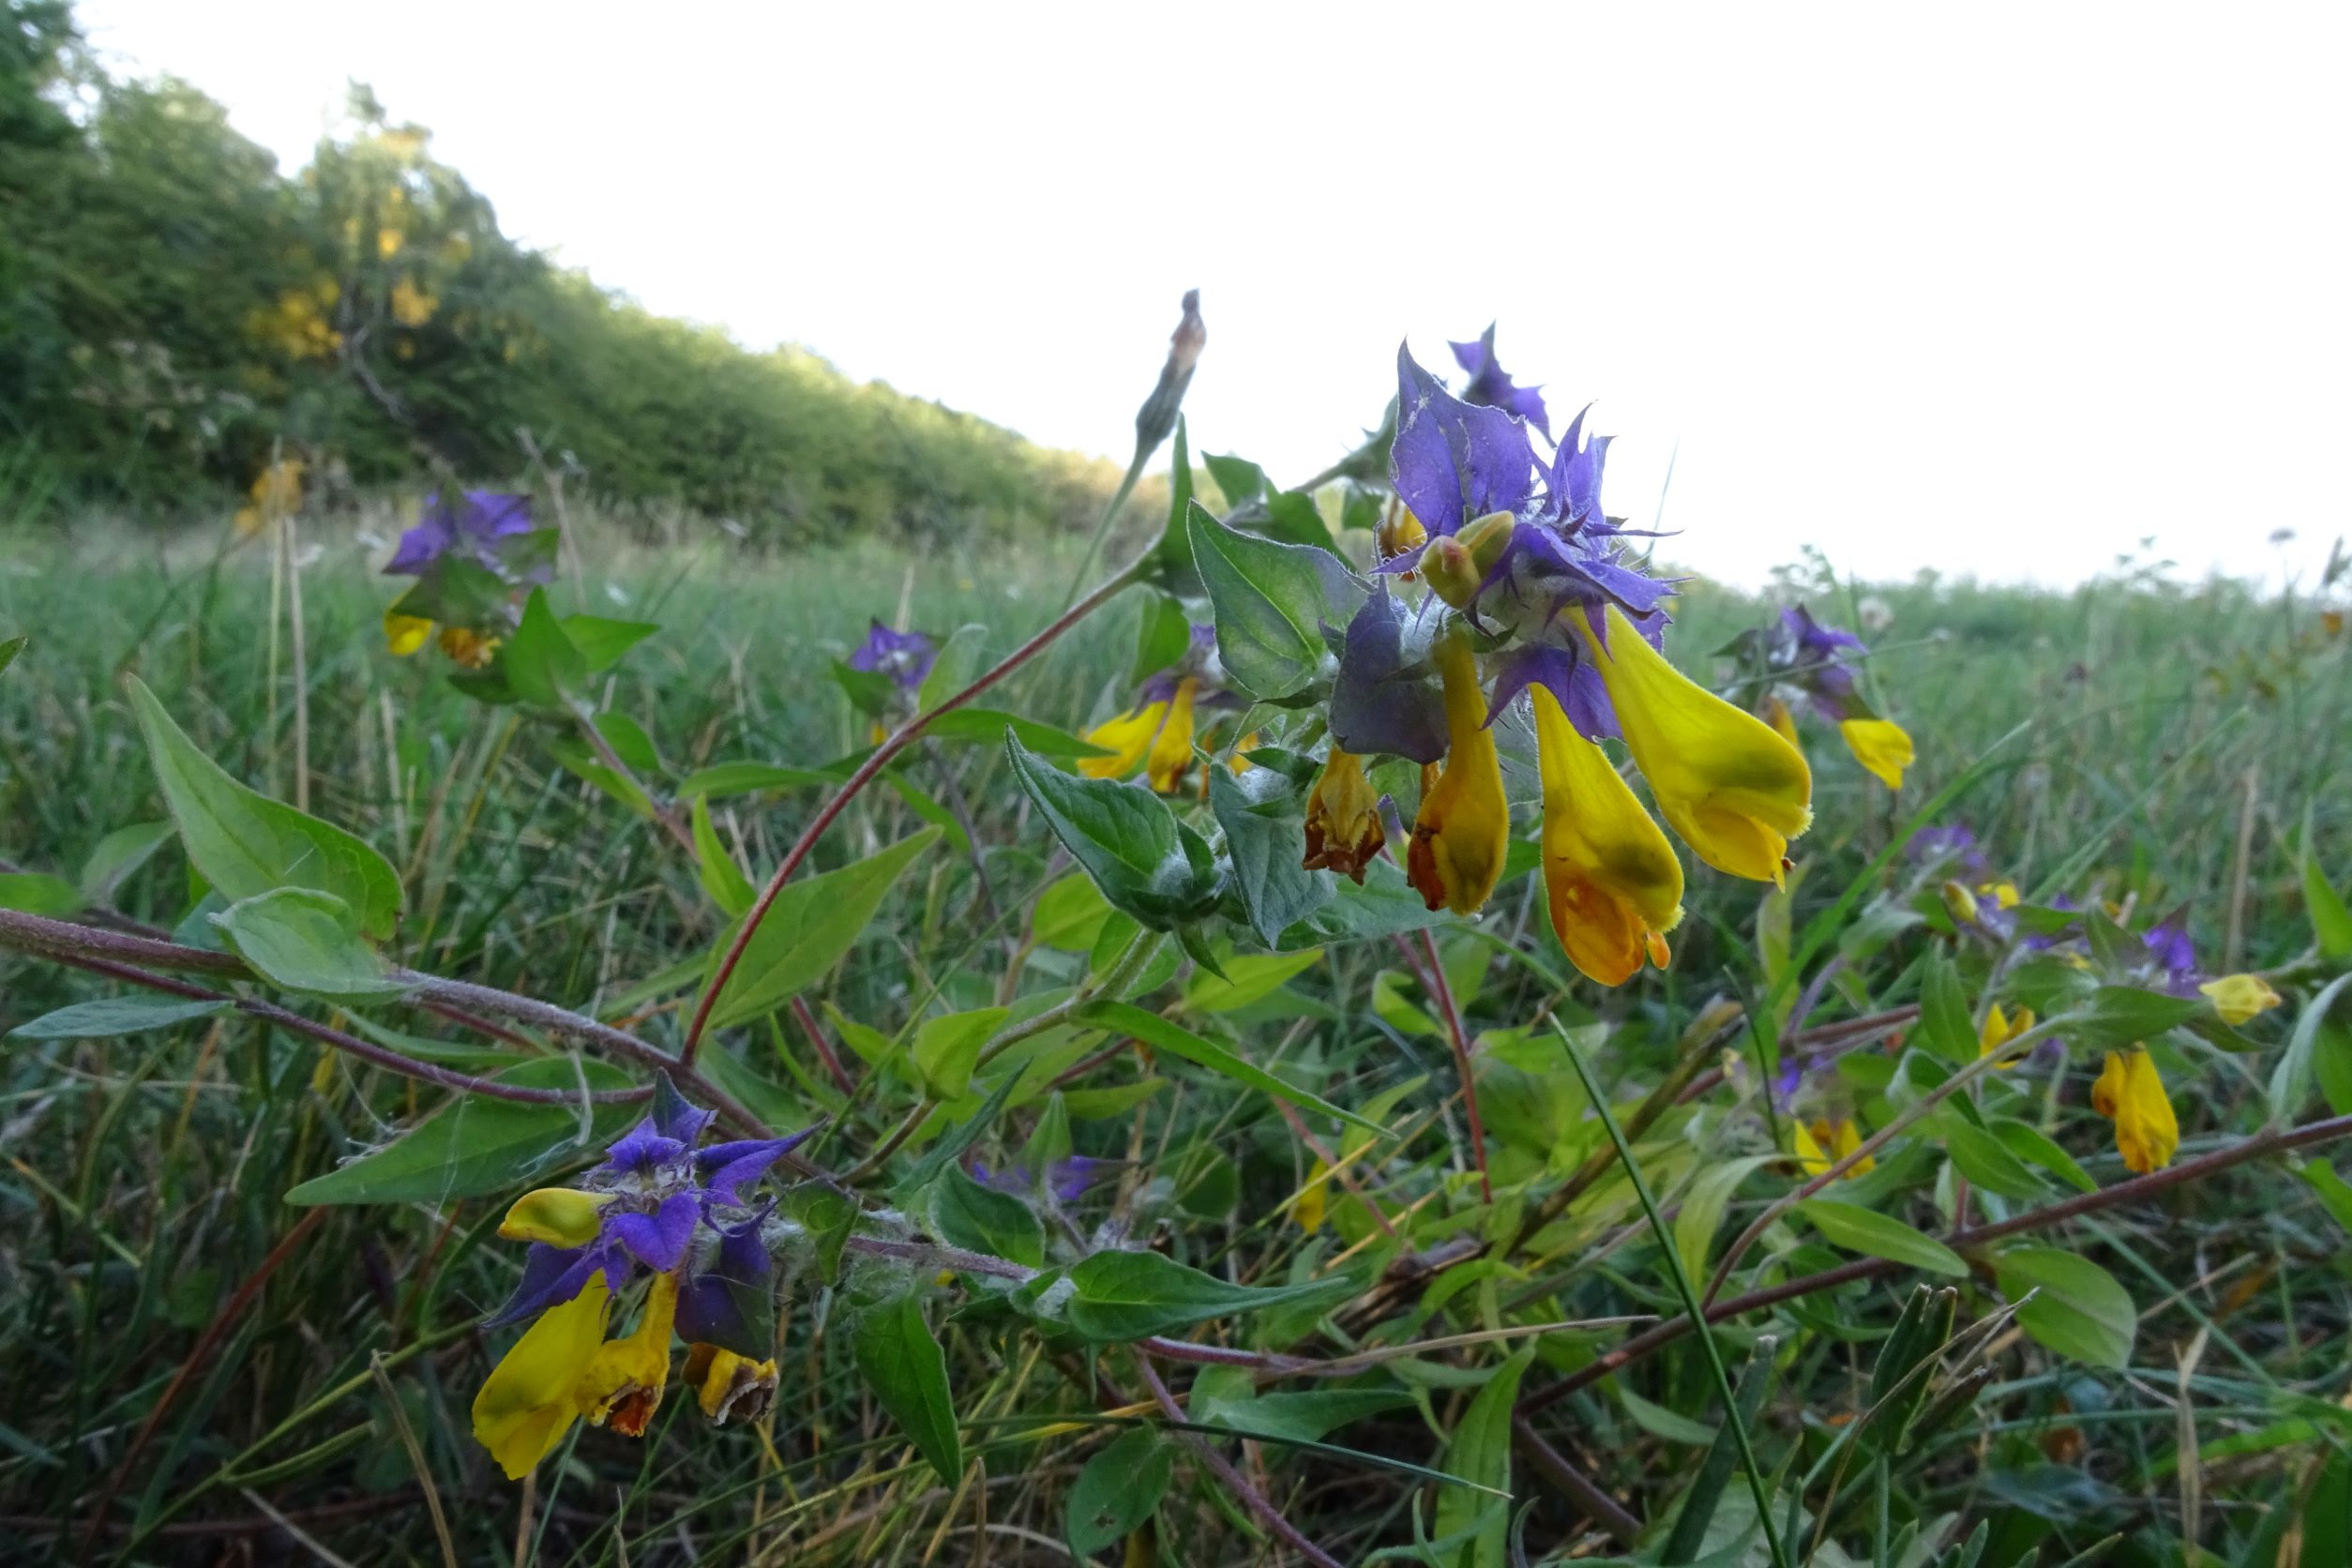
point(904, 736)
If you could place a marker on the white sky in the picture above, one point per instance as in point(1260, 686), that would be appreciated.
point(1993, 289)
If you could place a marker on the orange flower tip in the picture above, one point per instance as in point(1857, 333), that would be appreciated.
point(1660, 953)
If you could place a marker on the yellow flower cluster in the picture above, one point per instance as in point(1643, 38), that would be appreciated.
point(563, 1370)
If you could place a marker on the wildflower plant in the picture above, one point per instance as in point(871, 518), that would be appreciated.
point(987, 1122)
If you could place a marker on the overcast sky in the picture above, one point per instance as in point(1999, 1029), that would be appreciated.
point(1989, 289)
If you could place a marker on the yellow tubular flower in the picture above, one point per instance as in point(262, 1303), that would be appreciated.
point(1343, 818)
point(1400, 531)
point(624, 1382)
point(1612, 881)
point(405, 634)
point(1736, 791)
point(1824, 1143)
point(560, 1216)
point(728, 1387)
point(1172, 754)
point(530, 1399)
point(1999, 1029)
point(1463, 830)
point(2131, 1094)
point(1308, 1210)
point(1880, 746)
point(1844, 1139)
point(468, 650)
point(2240, 997)
point(1127, 738)
point(1784, 723)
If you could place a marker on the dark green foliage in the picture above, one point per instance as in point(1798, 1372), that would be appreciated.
point(175, 309)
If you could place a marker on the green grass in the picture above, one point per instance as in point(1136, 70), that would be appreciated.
point(142, 1179)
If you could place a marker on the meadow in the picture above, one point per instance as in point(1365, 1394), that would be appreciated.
point(1421, 1350)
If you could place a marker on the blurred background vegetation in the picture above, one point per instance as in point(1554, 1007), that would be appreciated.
point(174, 309)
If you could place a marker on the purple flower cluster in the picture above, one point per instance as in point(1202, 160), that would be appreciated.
point(658, 1190)
point(905, 657)
point(1544, 550)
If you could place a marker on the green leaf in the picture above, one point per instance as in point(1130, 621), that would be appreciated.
point(982, 1219)
point(2291, 1079)
point(1702, 1208)
point(1264, 821)
point(947, 1048)
point(829, 1215)
point(1479, 1451)
point(1860, 1229)
point(600, 642)
point(872, 692)
point(1176, 1040)
point(2077, 1310)
point(721, 878)
point(1100, 1104)
point(1250, 978)
point(11, 646)
point(117, 855)
point(541, 664)
point(610, 781)
point(1944, 1013)
point(811, 923)
point(951, 1144)
point(1272, 602)
point(243, 843)
point(1117, 1491)
point(1241, 480)
point(1302, 1417)
point(305, 941)
point(38, 893)
point(905, 1367)
point(1171, 558)
point(1070, 916)
point(1660, 1421)
point(630, 741)
point(1126, 837)
point(1163, 636)
point(1384, 906)
point(1122, 1296)
point(954, 666)
point(744, 778)
point(109, 1017)
point(2035, 1147)
point(1986, 1162)
point(988, 725)
point(2331, 921)
point(2335, 1195)
point(476, 1145)
point(2126, 1015)
point(929, 810)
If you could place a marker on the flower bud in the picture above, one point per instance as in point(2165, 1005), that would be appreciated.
point(2238, 997)
point(560, 1216)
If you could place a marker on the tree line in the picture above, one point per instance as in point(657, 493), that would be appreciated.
point(175, 314)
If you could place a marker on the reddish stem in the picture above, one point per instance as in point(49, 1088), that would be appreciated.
point(1442, 994)
point(904, 736)
point(2148, 1186)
